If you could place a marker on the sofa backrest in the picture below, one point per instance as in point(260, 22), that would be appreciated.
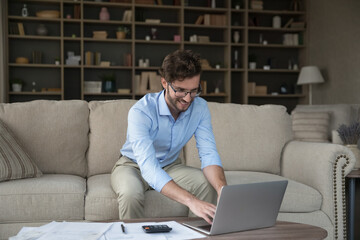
point(108, 126)
point(53, 133)
point(248, 137)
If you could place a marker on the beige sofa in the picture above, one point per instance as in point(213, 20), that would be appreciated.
point(76, 144)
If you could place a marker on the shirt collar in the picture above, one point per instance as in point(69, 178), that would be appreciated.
point(163, 107)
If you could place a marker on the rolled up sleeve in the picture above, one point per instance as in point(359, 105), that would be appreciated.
point(205, 142)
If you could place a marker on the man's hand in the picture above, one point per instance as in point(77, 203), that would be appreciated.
point(200, 208)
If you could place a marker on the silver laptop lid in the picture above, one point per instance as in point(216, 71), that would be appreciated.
point(248, 206)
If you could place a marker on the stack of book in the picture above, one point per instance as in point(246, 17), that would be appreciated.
point(36, 57)
point(256, 4)
point(215, 19)
point(291, 39)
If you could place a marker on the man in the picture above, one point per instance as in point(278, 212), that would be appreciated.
point(159, 125)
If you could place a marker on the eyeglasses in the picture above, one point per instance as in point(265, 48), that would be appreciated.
point(181, 94)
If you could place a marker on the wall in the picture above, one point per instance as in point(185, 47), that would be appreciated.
point(334, 46)
point(2, 54)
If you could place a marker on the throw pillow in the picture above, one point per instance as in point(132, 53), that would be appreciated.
point(15, 163)
point(311, 126)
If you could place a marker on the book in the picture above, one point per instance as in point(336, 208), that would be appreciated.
point(154, 82)
point(203, 84)
point(287, 24)
point(97, 58)
point(297, 25)
point(21, 29)
point(152, 21)
point(77, 11)
point(127, 16)
point(89, 58)
point(199, 20)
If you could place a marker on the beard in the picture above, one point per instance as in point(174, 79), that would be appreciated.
point(177, 105)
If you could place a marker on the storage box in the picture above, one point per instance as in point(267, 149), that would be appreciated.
point(99, 34)
point(251, 88)
point(261, 90)
point(92, 86)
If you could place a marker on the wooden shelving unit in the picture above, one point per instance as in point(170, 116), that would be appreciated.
point(75, 35)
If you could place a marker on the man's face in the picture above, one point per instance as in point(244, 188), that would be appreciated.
point(180, 104)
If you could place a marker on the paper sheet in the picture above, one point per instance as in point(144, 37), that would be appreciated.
point(104, 231)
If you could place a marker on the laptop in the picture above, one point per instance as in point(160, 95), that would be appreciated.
point(244, 207)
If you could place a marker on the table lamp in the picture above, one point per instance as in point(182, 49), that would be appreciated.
point(310, 75)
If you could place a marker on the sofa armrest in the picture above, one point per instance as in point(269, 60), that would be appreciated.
point(322, 166)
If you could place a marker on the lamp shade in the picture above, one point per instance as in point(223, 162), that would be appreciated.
point(309, 75)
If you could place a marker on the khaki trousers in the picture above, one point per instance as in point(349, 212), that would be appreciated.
point(130, 187)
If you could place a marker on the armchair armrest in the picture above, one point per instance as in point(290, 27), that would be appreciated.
point(322, 166)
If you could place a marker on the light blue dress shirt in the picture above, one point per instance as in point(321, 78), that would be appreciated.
point(155, 139)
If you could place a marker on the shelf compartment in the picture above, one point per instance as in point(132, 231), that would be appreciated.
point(165, 15)
point(163, 33)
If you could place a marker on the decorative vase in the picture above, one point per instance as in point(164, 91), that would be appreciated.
point(356, 151)
point(236, 36)
point(120, 35)
point(24, 11)
point(16, 87)
point(277, 22)
point(104, 15)
point(252, 65)
point(41, 30)
point(109, 86)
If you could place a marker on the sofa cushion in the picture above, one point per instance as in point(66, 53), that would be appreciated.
point(108, 126)
point(298, 197)
point(15, 163)
point(257, 135)
point(53, 133)
point(101, 202)
point(340, 113)
point(47, 198)
point(311, 126)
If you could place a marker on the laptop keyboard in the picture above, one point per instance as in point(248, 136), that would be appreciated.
point(206, 227)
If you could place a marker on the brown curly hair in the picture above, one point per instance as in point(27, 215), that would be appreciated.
point(179, 65)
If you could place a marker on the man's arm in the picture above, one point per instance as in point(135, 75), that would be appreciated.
point(200, 208)
point(216, 177)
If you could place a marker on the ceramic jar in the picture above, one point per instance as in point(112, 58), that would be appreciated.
point(277, 22)
point(41, 30)
point(104, 14)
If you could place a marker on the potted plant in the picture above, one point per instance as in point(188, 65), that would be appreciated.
point(121, 32)
point(350, 135)
point(16, 84)
point(108, 82)
point(252, 61)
